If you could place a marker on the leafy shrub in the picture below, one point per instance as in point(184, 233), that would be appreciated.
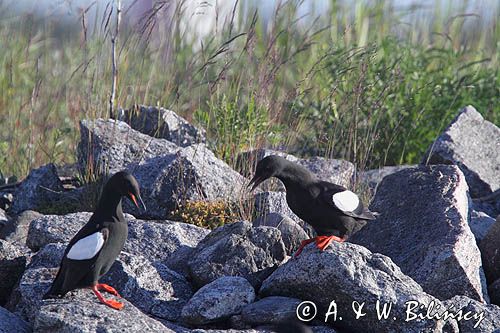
point(206, 214)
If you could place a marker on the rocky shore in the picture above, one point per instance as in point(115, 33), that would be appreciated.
point(429, 263)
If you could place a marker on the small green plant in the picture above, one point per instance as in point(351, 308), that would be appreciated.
point(206, 214)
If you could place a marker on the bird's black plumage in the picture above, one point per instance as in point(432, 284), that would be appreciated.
point(108, 226)
point(313, 200)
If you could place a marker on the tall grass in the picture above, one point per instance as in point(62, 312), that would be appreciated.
point(371, 83)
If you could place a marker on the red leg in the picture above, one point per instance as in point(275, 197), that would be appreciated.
point(107, 288)
point(109, 302)
point(322, 242)
point(302, 244)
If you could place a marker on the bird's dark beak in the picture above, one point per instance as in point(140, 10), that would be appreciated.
point(256, 180)
point(134, 200)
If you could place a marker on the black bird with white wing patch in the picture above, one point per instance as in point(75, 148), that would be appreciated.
point(334, 212)
point(92, 251)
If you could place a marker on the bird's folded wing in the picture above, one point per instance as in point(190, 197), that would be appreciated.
point(345, 201)
point(87, 247)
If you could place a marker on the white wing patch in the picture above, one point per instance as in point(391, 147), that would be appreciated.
point(346, 201)
point(87, 247)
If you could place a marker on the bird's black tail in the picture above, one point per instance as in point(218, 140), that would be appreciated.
point(55, 289)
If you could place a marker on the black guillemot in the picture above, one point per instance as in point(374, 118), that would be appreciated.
point(334, 212)
point(92, 251)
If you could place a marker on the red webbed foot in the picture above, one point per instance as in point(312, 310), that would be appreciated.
point(107, 288)
point(322, 242)
point(303, 244)
point(109, 302)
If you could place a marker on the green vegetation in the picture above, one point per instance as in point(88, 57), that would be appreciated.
point(372, 83)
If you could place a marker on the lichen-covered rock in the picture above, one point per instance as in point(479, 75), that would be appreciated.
point(423, 226)
point(163, 123)
point(13, 260)
point(347, 273)
point(167, 173)
point(10, 322)
point(471, 143)
point(490, 252)
point(40, 191)
point(218, 300)
point(292, 233)
point(168, 242)
point(154, 289)
point(476, 316)
point(271, 310)
point(237, 249)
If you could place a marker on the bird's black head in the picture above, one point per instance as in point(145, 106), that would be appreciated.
point(126, 185)
point(270, 166)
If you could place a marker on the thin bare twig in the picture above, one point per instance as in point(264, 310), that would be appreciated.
point(114, 40)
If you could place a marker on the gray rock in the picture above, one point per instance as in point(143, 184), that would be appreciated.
point(371, 178)
point(274, 202)
point(13, 261)
point(486, 206)
point(292, 233)
point(154, 289)
point(331, 170)
point(81, 312)
point(423, 227)
point(471, 143)
point(164, 124)
point(113, 145)
point(166, 173)
point(17, 228)
point(218, 300)
point(346, 273)
point(489, 252)
point(168, 242)
point(35, 281)
point(40, 191)
point(10, 322)
point(472, 311)
point(55, 229)
point(480, 223)
point(266, 203)
point(237, 249)
point(336, 171)
point(494, 292)
point(271, 310)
